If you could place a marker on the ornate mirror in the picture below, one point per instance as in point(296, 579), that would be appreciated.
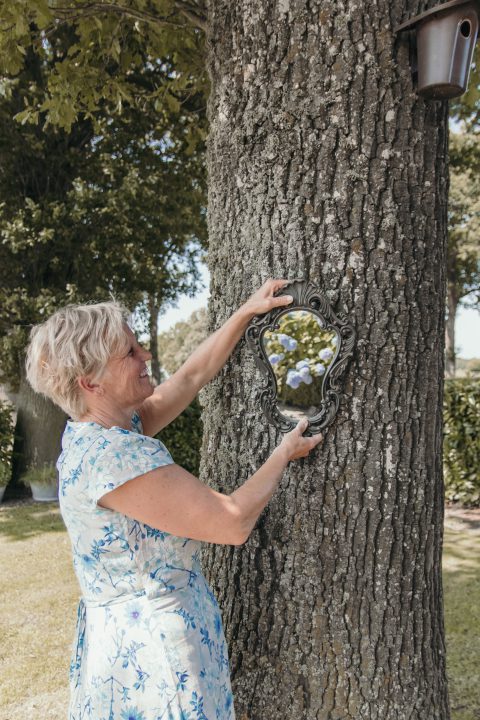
point(302, 350)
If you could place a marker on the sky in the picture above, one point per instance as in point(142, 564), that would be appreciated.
point(467, 325)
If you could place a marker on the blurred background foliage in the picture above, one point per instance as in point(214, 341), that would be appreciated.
point(461, 451)
point(177, 343)
point(183, 437)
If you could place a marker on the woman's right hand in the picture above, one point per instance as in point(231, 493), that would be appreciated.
point(294, 445)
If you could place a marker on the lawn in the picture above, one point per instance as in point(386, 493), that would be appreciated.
point(40, 596)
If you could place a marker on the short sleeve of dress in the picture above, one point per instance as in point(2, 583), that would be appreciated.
point(120, 455)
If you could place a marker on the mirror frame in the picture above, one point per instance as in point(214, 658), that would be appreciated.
point(305, 297)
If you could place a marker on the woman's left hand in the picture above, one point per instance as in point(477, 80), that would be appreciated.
point(263, 300)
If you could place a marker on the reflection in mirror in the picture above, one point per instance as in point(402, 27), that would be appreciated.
point(300, 352)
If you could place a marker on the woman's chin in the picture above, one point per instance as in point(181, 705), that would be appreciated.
point(149, 385)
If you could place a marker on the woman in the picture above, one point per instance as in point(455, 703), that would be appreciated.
point(150, 642)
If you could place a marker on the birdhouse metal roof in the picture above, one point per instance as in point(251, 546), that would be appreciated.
point(408, 24)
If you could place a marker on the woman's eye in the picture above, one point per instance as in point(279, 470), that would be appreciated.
point(130, 352)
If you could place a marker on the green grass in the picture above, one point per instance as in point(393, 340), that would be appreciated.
point(38, 612)
point(461, 582)
point(40, 595)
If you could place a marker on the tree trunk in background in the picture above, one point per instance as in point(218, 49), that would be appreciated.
point(153, 311)
point(323, 163)
point(38, 433)
point(452, 304)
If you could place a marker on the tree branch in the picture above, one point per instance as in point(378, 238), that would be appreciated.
point(190, 12)
point(195, 14)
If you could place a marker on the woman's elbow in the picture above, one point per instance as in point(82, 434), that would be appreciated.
point(238, 533)
point(240, 539)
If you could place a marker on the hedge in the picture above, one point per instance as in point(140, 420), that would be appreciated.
point(183, 437)
point(6, 441)
point(461, 451)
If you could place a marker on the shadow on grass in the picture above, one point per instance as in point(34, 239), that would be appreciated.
point(461, 583)
point(20, 522)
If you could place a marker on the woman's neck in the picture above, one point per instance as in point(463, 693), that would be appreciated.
point(109, 417)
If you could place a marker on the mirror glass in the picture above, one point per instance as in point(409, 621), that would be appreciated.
point(300, 351)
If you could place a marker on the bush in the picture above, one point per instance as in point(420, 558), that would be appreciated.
point(6, 442)
point(461, 452)
point(46, 475)
point(183, 437)
point(5, 474)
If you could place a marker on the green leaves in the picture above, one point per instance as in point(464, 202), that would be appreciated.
point(462, 441)
point(464, 217)
point(113, 204)
point(111, 49)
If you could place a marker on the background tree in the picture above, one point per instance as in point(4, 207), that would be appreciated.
point(114, 43)
point(177, 343)
point(463, 257)
point(88, 213)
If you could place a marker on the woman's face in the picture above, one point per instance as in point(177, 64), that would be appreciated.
point(126, 382)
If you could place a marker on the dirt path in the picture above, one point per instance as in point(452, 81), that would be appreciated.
point(461, 519)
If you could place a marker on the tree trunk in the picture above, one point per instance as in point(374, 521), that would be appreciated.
point(38, 432)
point(323, 163)
point(153, 311)
point(452, 304)
point(450, 356)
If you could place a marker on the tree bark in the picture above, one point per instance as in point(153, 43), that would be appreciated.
point(323, 163)
point(153, 311)
point(38, 432)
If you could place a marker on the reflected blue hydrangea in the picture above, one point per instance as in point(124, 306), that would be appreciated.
point(275, 358)
point(293, 379)
point(325, 354)
point(288, 342)
point(301, 363)
point(334, 341)
point(319, 368)
point(304, 372)
point(297, 377)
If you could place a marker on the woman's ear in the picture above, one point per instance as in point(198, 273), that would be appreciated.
point(86, 384)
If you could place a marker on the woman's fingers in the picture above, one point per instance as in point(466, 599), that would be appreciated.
point(282, 300)
point(275, 283)
point(301, 425)
point(281, 283)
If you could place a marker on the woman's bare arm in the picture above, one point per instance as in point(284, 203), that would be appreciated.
point(172, 499)
point(171, 397)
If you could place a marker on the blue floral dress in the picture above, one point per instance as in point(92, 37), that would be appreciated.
point(149, 643)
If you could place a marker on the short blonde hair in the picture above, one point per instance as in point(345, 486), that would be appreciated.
point(76, 341)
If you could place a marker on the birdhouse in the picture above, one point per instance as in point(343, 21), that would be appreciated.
point(446, 36)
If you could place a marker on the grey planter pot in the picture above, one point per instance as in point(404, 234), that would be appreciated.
point(44, 493)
